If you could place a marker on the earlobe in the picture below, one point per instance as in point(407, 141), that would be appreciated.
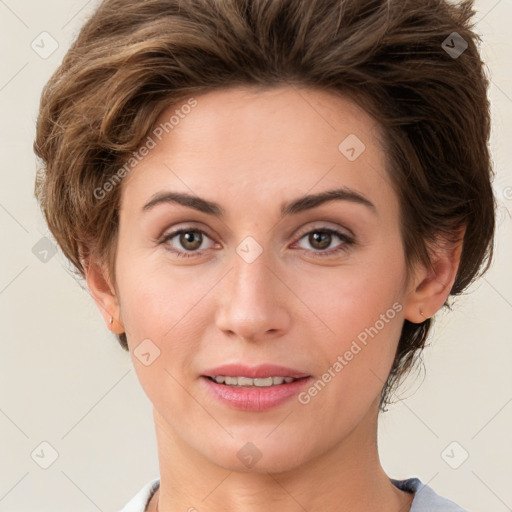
point(103, 294)
point(432, 285)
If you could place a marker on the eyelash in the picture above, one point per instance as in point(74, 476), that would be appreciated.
point(345, 246)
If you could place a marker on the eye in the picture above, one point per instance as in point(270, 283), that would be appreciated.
point(321, 238)
point(189, 239)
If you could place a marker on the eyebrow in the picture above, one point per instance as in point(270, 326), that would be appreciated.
point(292, 207)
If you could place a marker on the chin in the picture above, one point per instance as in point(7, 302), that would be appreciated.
point(258, 454)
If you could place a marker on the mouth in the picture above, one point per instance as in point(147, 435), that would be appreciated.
point(254, 388)
point(248, 382)
point(252, 375)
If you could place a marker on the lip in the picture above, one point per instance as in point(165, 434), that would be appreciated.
point(261, 371)
point(254, 399)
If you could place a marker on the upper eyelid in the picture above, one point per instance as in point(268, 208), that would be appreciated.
point(325, 226)
point(298, 234)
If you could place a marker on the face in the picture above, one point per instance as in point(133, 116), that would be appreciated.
point(318, 289)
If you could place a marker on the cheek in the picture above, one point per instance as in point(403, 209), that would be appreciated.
point(155, 297)
point(363, 309)
point(157, 306)
point(352, 298)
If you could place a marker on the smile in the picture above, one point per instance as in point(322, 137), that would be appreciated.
point(247, 381)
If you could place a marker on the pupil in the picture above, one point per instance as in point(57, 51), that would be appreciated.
point(189, 238)
point(326, 239)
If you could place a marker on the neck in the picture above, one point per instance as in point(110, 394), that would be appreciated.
point(344, 477)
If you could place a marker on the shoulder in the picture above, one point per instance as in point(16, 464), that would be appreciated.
point(425, 498)
point(139, 502)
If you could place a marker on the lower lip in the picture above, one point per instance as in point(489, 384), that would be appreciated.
point(255, 398)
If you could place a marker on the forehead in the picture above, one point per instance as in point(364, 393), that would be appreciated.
point(261, 142)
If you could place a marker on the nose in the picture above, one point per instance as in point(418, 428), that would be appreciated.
point(254, 302)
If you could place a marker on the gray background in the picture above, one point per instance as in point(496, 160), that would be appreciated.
point(65, 381)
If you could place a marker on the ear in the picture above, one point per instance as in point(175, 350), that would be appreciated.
point(431, 286)
point(103, 293)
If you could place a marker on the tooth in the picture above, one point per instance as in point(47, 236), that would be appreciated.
point(247, 381)
point(263, 382)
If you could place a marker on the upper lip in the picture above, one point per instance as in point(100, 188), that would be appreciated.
point(254, 372)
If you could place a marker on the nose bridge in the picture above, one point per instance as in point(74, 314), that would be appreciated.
point(251, 260)
point(251, 277)
point(250, 304)
point(251, 281)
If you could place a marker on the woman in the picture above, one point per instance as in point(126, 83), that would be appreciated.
point(269, 200)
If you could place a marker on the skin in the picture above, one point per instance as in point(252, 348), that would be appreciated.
point(250, 151)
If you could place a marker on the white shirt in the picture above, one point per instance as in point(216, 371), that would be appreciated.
point(425, 498)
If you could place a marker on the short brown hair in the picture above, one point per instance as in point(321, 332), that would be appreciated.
point(414, 66)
